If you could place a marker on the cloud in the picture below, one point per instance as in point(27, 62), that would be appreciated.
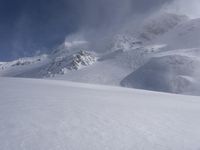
point(42, 24)
point(101, 19)
point(186, 7)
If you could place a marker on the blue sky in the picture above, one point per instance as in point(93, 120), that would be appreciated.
point(29, 26)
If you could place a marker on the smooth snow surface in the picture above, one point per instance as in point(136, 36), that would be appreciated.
point(173, 71)
point(58, 115)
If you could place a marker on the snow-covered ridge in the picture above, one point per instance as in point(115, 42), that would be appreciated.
point(63, 64)
point(175, 67)
point(166, 61)
point(19, 66)
point(23, 62)
point(48, 65)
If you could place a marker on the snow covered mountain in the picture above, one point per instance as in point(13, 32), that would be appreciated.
point(63, 64)
point(23, 65)
point(176, 73)
point(47, 65)
point(162, 55)
point(176, 67)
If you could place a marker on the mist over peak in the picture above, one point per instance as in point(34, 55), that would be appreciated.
point(189, 8)
point(115, 44)
point(28, 26)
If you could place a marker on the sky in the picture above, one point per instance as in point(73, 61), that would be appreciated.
point(30, 27)
point(187, 7)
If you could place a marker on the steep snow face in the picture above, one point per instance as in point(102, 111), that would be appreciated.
point(185, 35)
point(63, 64)
point(176, 73)
point(58, 115)
point(158, 25)
point(67, 57)
point(48, 65)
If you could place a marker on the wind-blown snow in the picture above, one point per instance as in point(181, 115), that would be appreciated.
point(183, 36)
point(162, 55)
point(159, 24)
point(58, 115)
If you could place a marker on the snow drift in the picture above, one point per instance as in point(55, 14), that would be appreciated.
point(170, 73)
point(43, 114)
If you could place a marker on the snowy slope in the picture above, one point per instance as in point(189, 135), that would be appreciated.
point(175, 68)
point(175, 72)
point(163, 55)
point(47, 65)
point(57, 115)
point(64, 64)
point(110, 68)
point(23, 65)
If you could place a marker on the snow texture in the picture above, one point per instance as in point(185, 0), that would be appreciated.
point(58, 115)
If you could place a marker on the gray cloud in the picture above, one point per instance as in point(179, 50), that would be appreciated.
point(187, 7)
point(101, 19)
point(98, 13)
point(29, 26)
